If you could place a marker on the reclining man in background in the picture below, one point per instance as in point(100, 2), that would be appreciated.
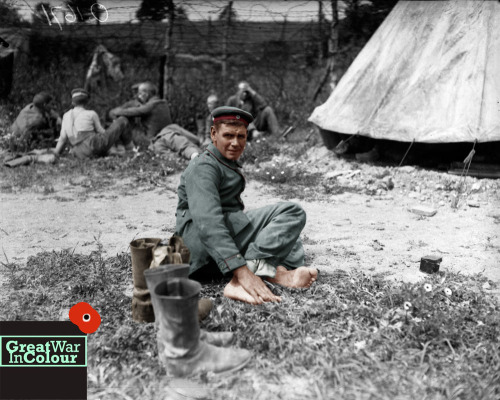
point(155, 129)
point(36, 125)
point(260, 244)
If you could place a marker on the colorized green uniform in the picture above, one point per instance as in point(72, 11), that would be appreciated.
point(211, 220)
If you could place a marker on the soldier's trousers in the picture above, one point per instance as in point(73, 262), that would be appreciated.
point(177, 139)
point(98, 145)
point(266, 121)
point(272, 234)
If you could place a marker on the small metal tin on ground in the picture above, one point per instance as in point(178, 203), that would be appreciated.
point(430, 264)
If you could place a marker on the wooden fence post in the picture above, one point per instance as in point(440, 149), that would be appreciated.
point(333, 46)
point(224, 40)
point(333, 40)
point(169, 57)
point(321, 52)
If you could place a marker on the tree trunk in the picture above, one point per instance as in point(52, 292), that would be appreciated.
point(333, 40)
point(169, 57)
point(333, 46)
point(163, 61)
point(225, 39)
point(321, 52)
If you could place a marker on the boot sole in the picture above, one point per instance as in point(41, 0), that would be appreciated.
point(178, 374)
point(237, 368)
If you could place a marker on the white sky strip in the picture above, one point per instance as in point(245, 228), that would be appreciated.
point(261, 11)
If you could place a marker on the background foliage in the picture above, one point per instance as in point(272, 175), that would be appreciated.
point(282, 60)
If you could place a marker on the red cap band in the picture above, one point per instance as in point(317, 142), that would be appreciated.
point(237, 117)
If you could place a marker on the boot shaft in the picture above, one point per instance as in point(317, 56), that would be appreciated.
point(179, 330)
point(163, 273)
point(141, 251)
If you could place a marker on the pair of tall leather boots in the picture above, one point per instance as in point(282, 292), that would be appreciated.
point(183, 348)
point(150, 253)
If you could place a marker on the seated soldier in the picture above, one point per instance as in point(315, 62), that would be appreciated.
point(153, 114)
point(264, 117)
point(260, 244)
point(119, 148)
point(36, 125)
point(82, 130)
point(152, 125)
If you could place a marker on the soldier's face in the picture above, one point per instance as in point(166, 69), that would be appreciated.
point(212, 104)
point(143, 94)
point(244, 95)
point(230, 140)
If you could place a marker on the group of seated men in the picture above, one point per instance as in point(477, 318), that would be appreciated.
point(144, 121)
point(255, 246)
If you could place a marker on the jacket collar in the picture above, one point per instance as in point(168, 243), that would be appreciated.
point(233, 164)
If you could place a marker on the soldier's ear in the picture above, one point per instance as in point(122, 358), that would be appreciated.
point(212, 132)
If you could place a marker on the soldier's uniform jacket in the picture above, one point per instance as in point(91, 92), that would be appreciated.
point(154, 115)
point(210, 210)
point(31, 120)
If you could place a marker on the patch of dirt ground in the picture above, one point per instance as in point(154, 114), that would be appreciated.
point(348, 230)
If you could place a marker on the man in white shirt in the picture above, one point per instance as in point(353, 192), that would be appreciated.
point(83, 131)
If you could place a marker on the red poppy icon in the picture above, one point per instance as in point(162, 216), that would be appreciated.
point(85, 317)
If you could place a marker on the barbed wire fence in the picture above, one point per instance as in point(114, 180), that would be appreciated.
point(281, 51)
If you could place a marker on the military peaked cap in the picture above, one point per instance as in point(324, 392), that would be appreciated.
point(226, 112)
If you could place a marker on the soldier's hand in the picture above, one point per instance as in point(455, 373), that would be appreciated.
point(243, 86)
point(254, 285)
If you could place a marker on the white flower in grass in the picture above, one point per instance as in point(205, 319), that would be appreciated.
point(272, 177)
point(407, 306)
point(282, 172)
point(447, 291)
point(257, 170)
point(360, 345)
point(274, 165)
point(267, 173)
point(428, 287)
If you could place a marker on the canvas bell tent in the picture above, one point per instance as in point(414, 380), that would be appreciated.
point(429, 74)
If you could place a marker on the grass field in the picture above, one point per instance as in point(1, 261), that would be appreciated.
point(351, 336)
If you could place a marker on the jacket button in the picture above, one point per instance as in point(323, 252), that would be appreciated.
point(238, 256)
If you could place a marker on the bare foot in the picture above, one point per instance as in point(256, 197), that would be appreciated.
point(301, 277)
point(235, 291)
